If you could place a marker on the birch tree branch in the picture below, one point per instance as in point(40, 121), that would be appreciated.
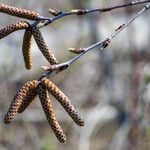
point(101, 45)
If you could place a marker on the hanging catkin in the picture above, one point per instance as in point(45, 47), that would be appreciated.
point(19, 12)
point(49, 112)
point(16, 102)
point(29, 96)
point(12, 28)
point(43, 47)
point(26, 48)
point(63, 100)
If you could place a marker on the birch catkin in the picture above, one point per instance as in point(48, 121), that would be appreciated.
point(63, 100)
point(19, 12)
point(16, 102)
point(26, 48)
point(12, 28)
point(43, 47)
point(49, 112)
point(29, 96)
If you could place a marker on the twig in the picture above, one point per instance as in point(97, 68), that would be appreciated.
point(101, 44)
point(60, 14)
point(44, 21)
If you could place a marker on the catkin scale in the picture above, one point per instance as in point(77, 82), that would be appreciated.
point(12, 28)
point(49, 112)
point(31, 94)
point(19, 12)
point(43, 47)
point(16, 102)
point(63, 100)
point(26, 48)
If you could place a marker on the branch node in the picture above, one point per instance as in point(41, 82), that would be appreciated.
point(61, 68)
point(120, 27)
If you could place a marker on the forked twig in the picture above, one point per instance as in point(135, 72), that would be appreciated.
point(101, 45)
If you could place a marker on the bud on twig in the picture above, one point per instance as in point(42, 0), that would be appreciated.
point(49, 68)
point(49, 112)
point(63, 100)
point(54, 12)
point(106, 43)
point(12, 28)
point(76, 50)
point(31, 94)
point(42, 23)
point(120, 27)
point(19, 12)
point(43, 47)
point(16, 102)
point(46, 68)
point(79, 11)
point(26, 48)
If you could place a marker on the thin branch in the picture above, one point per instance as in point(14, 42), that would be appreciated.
point(44, 21)
point(57, 15)
point(101, 44)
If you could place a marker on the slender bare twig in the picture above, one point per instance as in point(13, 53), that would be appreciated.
point(44, 21)
point(101, 44)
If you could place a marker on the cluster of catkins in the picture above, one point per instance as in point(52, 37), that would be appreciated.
point(41, 87)
point(29, 31)
point(30, 90)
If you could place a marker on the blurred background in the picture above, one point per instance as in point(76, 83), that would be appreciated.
point(110, 88)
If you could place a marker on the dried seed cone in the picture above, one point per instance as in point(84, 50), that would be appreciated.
point(26, 48)
point(43, 47)
point(12, 28)
point(49, 112)
point(16, 102)
point(30, 96)
point(19, 12)
point(63, 100)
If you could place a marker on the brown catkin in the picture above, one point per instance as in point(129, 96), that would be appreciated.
point(43, 47)
point(17, 100)
point(12, 28)
point(49, 112)
point(19, 12)
point(29, 96)
point(63, 100)
point(26, 48)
